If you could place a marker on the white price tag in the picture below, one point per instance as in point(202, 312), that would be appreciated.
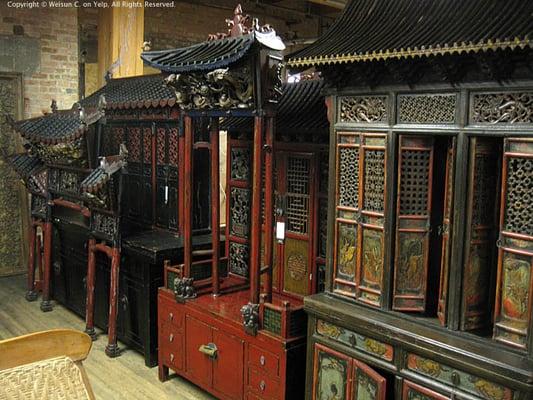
point(280, 231)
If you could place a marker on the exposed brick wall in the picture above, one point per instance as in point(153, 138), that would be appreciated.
point(54, 75)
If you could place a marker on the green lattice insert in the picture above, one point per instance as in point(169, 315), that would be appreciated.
point(171, 275)
point(272, 321)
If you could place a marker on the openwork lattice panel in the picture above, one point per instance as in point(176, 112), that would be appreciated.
point(432, 108)
point(161, 146)
point(134, 144)
point(363, 109)
point(147, 145)
point(414, 184)
point(239, 256)
point(173, 147)
point(374, 194)
point(348, 177)
point(298, 170)
point(494, 108)
point(240, 163)
point(106, 224)
point(519, 210)
point(240, 212)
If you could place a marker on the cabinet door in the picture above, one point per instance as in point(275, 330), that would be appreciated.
point(331, 374)
point(199, 366)
point(481, 232)
point(415, 176)
point(515, 278)
point(445, 232)
point(412, 391)
point(360, 207)
point(367, 384)
point(228, 366)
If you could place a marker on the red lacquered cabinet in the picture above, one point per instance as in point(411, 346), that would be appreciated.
point(213, 351)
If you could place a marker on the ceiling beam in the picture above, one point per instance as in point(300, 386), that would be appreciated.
point(338, 4)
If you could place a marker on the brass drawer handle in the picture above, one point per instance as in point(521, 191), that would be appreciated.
point(170, 317)
point(456, 378)
point(171, 337)
point(209, 350)
point(262, 386)
point(171, 357)
point(262, 360)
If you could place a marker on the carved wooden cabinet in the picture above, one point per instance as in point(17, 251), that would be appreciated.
point(429, 281)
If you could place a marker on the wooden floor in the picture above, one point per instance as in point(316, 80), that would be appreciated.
point(125, 377)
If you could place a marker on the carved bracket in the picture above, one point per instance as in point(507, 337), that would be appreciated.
point(250, 315)
point(184, 289)
point(220, 88)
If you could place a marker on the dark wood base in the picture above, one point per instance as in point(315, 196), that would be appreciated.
point(112, 350)
point(31, 295)
point(92, 334)
point(46, 306)
point(264, 366)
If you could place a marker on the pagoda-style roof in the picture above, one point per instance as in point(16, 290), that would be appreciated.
point(219, 50)
point(26, 165)
point(370, 30)
point(135, 92)
point(58, 126)
point(103, 173)
point(301, 108)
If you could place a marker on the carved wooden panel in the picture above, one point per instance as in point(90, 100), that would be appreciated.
point(515, 278)
point(367, 384)
point(238, 205)
point(363, 109)
point(415, 172)
point(480, 240)
point(166, 165)
point(495, 108)
point(445, 229)
point(331, 375)
point(296, 266)
point(427, 108)
point(451, 376)
point(359, 232)
point(350, 338)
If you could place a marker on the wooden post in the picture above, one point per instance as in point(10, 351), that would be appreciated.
point(120, 38)
point(112, 349)
point(255, 251)
point(46, 305)
point(89, 304)
point(31, 294)
point(187, 197)
point(215, 203)
point(269, 211)
point(38, 248)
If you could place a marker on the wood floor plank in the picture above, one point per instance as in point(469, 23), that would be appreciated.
point(125, 377)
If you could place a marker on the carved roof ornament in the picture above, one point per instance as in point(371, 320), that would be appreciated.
point(241, 24)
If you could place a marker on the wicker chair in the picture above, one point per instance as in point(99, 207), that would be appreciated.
point(45, 365)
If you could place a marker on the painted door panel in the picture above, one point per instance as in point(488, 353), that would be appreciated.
point(228, 366)
point(332, 374)
point(367, 384)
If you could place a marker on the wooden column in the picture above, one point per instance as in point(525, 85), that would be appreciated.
point(269, 206)
point(187, 197)
point(89, 303)
point(120, 37)
point(255, 251)
point(215, 203)
point(112, 349)
point(31, 294)
point(47, 232)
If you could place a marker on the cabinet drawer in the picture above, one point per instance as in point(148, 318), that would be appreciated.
point(459, 379)
point(262, 384)
point(171, 347)
point(263, 360)
point(168, 314)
